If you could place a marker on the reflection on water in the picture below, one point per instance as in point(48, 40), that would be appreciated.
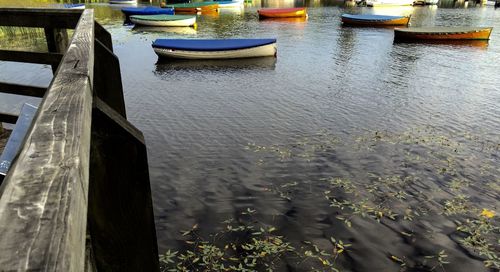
point(456, 44)
point(389, 147)
point(285, 20)
point(165, 66)
point(165, 29)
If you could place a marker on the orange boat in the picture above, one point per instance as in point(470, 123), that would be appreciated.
point(374, 20)
point(442, 33)
point(282, 12)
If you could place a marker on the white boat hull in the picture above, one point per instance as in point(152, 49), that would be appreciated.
point(184, 22)
point(381, 3)
point(123, 2)
point(231, 5)
point(258, 51)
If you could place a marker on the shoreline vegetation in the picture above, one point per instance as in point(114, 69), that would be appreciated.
point(437, 188)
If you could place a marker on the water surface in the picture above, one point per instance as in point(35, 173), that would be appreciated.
point(341, 114)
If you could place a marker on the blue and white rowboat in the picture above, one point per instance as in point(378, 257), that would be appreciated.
point(147, 11)
point(214, 48)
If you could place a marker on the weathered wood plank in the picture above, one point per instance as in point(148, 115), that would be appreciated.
point(18, 89)
point(103, 36)
point(8, 118)
point(30, 57)
point(54, 18)
point(43, 203)
point(108, 67)
point(121, 217)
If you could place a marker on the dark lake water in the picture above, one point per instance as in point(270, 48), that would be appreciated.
point(387, 146)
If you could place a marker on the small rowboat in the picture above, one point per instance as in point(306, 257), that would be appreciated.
point(164, 20)
point(442, 33)
point(214, 49)
point(147, 11)
point(374, 20)
point(123, 1)
point(230, 4)
point(282, 12)
point(386, 3)
point(74, 6)
point(195, 7)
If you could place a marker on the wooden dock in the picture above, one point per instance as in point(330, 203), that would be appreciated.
point(77, 197)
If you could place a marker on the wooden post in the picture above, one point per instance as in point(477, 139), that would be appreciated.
point(102, 35)
point(57, 41)
point(121, 220)
point(108, 79)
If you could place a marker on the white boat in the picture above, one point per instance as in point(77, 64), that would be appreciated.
point(123, 1)
point(74, 6)
point(230, 4)
point(431, 2)
point(380, 3)
point(164, 20)
point(214, 49)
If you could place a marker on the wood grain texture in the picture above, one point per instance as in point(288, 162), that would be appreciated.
point(30, 57)
point(43, 203)
point(54, 18)
point(121, 220)
point(18, 89)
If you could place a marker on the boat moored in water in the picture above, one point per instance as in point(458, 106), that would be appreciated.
point(164, 20)
point(195, 7)
point(74, 6)
point(214, 48)
point(147, 11)
point(442, 33)
point(123, 1)
point(384, 3)
point(374, 20)
point(230, 3)
point(282, 12)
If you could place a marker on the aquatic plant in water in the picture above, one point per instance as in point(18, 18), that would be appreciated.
point(415, 176)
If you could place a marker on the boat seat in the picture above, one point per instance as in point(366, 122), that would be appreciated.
point(16, 138)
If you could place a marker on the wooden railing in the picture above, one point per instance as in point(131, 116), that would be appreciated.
point(77, 197)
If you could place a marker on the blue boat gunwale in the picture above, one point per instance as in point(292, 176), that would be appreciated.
point(148, 10)
point(371, 17)
point(210, 45)
point(69, 5)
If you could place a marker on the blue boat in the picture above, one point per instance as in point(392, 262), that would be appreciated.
point(214, 48)
point(374, 20)
point(74, 6)
point(147, 11)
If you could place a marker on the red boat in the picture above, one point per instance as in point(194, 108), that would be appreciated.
point(282, 12)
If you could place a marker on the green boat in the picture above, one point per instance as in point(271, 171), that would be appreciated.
point(164, 20)
point(194, 7)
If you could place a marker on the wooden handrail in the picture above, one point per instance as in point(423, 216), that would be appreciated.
point(30, 57)
point(44, 197)
point(8, 118)
point(19, 89)
point(42, 18)
point(77, 196)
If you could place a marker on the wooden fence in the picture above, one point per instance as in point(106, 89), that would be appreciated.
point(77, 197)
